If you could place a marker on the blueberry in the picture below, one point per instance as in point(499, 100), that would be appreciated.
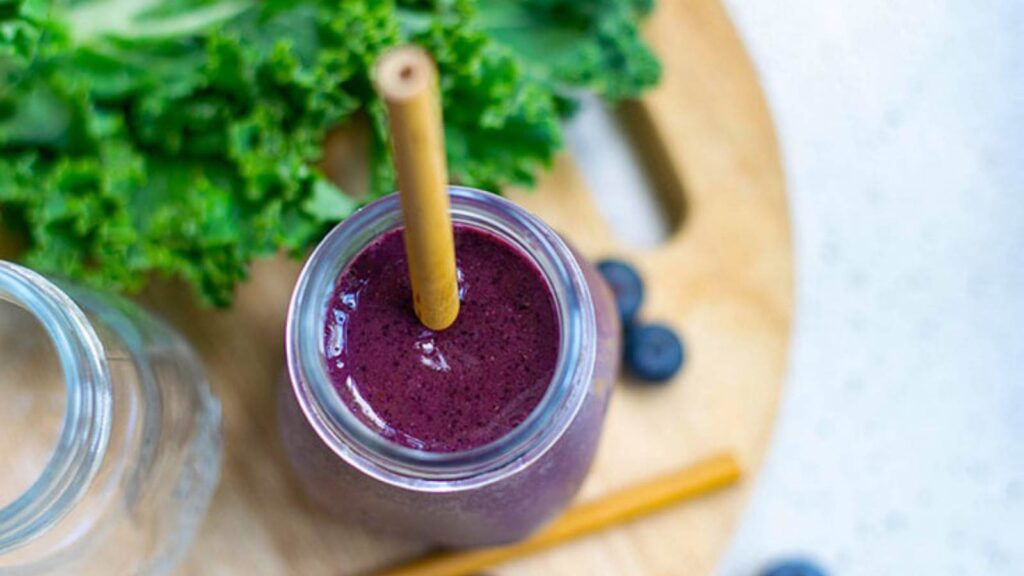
point(653, 352)
point(626, 285)
point(793, 567)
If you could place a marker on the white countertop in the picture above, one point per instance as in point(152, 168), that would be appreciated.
point(900, 442)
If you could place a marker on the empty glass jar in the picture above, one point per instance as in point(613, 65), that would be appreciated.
point(109, 435)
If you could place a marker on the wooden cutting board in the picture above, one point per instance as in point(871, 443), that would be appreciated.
point(723, 280)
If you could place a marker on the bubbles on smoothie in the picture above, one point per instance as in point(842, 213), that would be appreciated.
point(429, 354)
point(336, 335)
point(350, 300)
point(460, 280)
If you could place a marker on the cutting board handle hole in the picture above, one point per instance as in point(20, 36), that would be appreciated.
point(627, 169)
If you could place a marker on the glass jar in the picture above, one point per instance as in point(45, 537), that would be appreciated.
point(491, 494)
point(133, 432)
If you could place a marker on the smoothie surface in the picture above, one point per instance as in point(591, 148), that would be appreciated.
point(452, 390)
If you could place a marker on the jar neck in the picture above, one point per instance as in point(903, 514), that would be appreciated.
point(356, 443)
point(85, 429)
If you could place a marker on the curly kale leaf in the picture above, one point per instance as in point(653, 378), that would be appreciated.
point(572, 44)
point(180, 137)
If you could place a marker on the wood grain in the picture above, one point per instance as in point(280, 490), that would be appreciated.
point(724, 280)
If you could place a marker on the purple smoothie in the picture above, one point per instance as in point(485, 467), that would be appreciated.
point(530, 305)
point(452, 390)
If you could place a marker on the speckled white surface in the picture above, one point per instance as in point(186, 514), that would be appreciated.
point(900, 443)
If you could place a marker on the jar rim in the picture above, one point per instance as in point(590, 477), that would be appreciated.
point(85, 428)
point(355, 442)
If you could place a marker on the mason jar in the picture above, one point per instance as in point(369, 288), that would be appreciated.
point(491, 494)
point(109, 435)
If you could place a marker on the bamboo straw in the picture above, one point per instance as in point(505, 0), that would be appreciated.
point(710, 474)
point(406, 79)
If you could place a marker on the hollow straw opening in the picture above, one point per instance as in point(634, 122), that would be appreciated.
point(404, 72)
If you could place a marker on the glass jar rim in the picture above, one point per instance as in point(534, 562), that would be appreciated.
point(352, 440)
point(85, 429)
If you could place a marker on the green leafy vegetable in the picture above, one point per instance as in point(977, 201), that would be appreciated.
point(180, 136)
